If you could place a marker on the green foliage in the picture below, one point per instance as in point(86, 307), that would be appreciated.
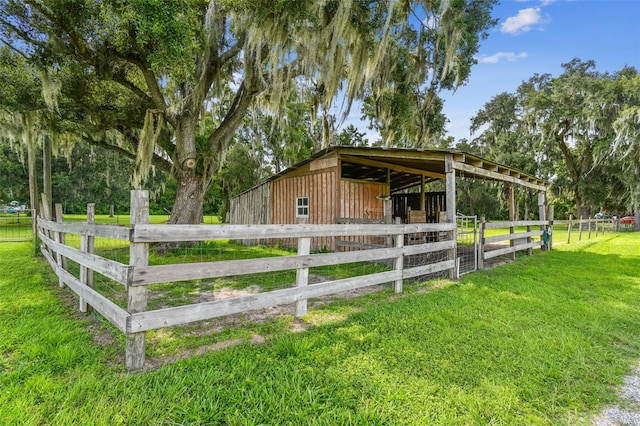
point(14, 176)
point(563, 128)
point(351, 136)
point(197, 67)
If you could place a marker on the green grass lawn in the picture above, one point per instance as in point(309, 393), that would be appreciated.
point(541, 341)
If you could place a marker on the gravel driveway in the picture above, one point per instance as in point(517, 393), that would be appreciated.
point(628, 412)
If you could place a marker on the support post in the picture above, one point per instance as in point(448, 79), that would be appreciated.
point(87, 245)
point(569, 229)
point(512, 217)
point(422, 198)
point(589, 223)
point(542, 212)
point(137, 296)
point(481, 244)
point(450, 173)
point(580, 230)
point(302, 274)
point(399, 263)
point(550, 208)
point(61, 236)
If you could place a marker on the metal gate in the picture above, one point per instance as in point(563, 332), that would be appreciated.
point(467, 256)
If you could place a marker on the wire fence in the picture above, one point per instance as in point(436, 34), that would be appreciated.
point(467, 237)
point(16, 227)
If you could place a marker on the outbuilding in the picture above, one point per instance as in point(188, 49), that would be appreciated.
point(372, 185)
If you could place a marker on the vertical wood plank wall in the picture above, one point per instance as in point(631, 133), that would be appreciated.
point(252, 207)
point(320, 187)
point(275, 202)
point(359, 201)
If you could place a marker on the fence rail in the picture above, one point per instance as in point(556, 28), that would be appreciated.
point(134, 277)
point(137, 275)
point(490, 247)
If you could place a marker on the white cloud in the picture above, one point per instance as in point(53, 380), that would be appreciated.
point(494, 59)
point(523, 21)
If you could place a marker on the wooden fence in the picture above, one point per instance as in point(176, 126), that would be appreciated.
point(494, 246)
point(507, 241)
point(588, 226)
point(137, 275)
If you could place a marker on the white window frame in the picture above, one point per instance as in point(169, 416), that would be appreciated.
point(302, 207)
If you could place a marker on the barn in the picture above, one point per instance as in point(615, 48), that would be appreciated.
point(371, 185)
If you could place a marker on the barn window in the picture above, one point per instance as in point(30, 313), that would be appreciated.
point(302, 207)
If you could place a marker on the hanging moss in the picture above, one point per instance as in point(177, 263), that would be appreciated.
point(153, 124)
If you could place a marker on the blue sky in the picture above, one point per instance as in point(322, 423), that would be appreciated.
point(537, 36)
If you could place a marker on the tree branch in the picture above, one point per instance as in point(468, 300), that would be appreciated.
point(17, 51)
point(237, 111)
point(158, 161)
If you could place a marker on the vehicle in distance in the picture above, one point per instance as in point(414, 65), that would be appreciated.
point(15, 207)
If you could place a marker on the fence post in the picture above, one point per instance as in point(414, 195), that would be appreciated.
point(597, 227)
point(450, 179)
point(550, 227)
point(399, 263)
point(302, 274)
point(46, 211)
point(481, 244)
point(512, 218)
point(542, 213)
point(137, 296)
point(61, 236)
point(529, 239)
point(580, 230)
point(569, 229)
point(87, 245)
point(589, 223)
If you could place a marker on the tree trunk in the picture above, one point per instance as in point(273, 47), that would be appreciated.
point(47, 154)
point(33, 181)
point(189, 201)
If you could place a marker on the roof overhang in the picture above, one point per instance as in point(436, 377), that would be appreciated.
point(409, 166)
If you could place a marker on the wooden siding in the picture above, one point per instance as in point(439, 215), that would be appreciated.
point(252, 207)
point(359, 199)
point(320, 187)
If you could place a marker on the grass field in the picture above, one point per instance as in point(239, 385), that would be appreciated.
point(541, 341)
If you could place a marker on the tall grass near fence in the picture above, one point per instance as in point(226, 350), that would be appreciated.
point(543, 340)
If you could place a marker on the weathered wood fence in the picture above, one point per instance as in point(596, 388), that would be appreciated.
point(517, 241)
point(137, 275)
point(539, 233)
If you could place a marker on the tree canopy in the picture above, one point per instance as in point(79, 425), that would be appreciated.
point(168, 83)
point(579, 130)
